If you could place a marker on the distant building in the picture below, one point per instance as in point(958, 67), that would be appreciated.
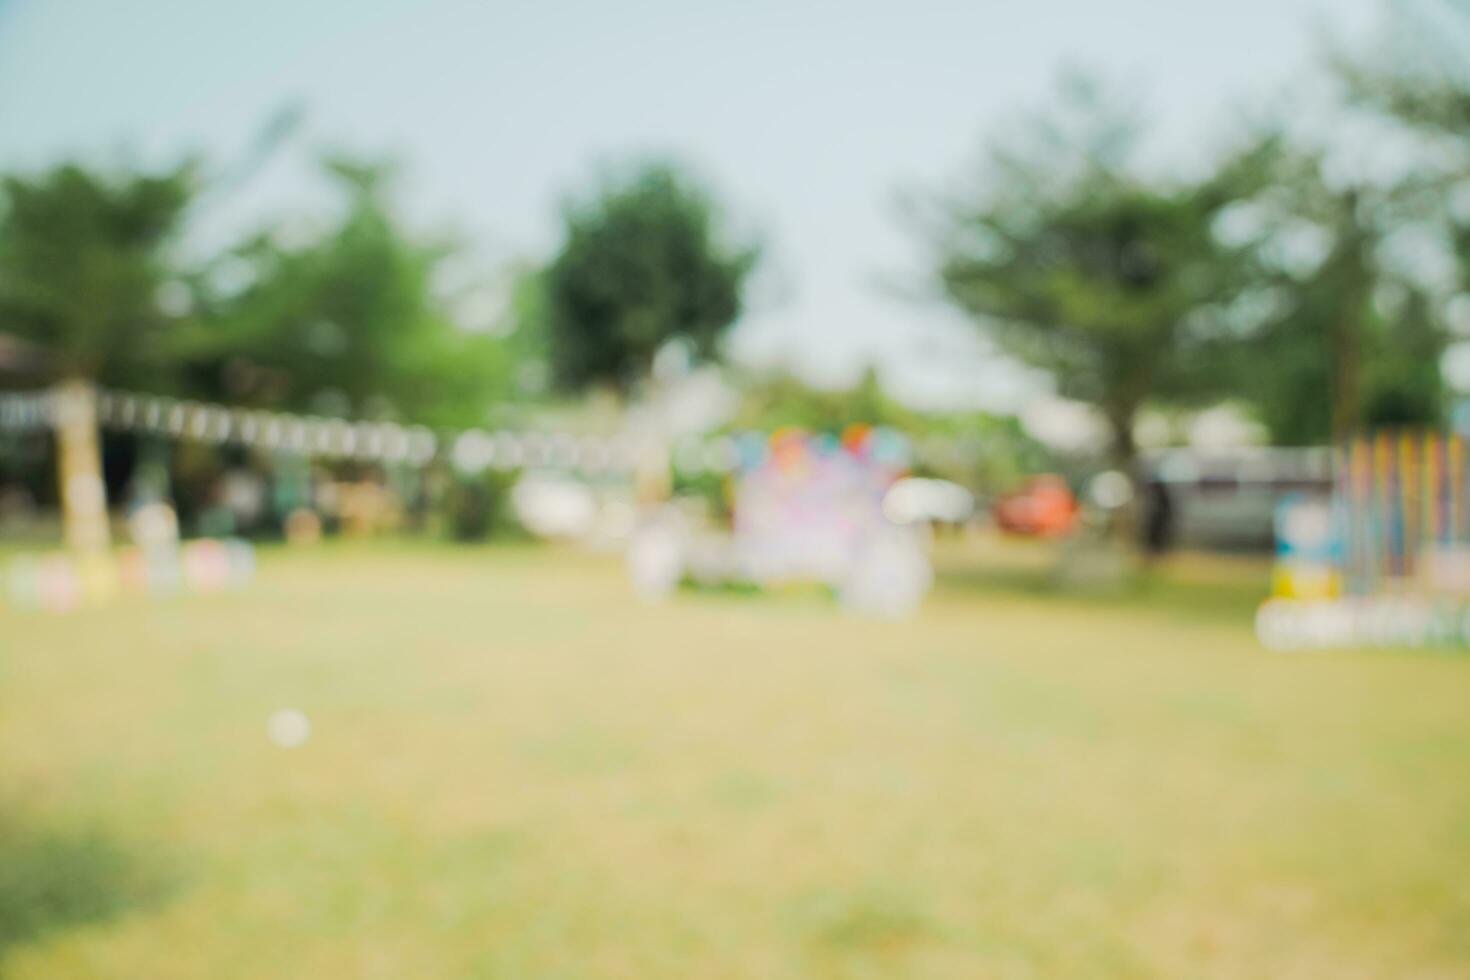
point(1226, 498)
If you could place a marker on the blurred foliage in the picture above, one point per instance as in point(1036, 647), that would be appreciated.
point(349, 321)
point(1074, 262)
point(1283, 276)
point(984, 451)
point(527, 343)
point(1279, 275)
point(644, 261)
point(87, 269)
point(346, 323)
point(781, 398)
point(1335, 333)
point(1350, 321)
point(478, 506)
point(714, 489)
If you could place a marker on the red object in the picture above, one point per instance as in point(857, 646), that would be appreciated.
point(1043, 508)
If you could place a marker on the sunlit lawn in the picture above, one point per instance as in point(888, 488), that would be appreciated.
point(515, 771)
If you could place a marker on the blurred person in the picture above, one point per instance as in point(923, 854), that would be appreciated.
point(1157, 529)
point(243, 492)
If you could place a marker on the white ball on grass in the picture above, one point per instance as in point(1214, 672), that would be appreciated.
point(288, 728)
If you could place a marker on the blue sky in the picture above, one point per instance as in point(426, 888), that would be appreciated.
point(806, 118)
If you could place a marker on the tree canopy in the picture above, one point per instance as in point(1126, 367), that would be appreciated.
point(86, 269)
point(1077, 265)
point(645, 260)
point(1343, 335)
point(347, 323)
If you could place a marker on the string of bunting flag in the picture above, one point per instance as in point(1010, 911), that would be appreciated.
point(25, 411)
point(326, 437)
point(473, 450)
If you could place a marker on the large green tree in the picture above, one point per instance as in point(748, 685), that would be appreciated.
point(644, 261)
point(1075, 263)
point(88, 273)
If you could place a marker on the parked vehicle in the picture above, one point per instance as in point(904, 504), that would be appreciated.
point(1045, 507)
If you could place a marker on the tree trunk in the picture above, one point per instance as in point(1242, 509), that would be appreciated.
point(1125, 460)
point(79, 464)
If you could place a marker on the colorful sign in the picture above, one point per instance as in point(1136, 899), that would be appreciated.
point(806, 503)
point(1308, 549)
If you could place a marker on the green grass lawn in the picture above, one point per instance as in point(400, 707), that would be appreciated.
point(516, 771)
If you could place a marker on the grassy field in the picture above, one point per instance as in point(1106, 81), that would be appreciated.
point(515, 771)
